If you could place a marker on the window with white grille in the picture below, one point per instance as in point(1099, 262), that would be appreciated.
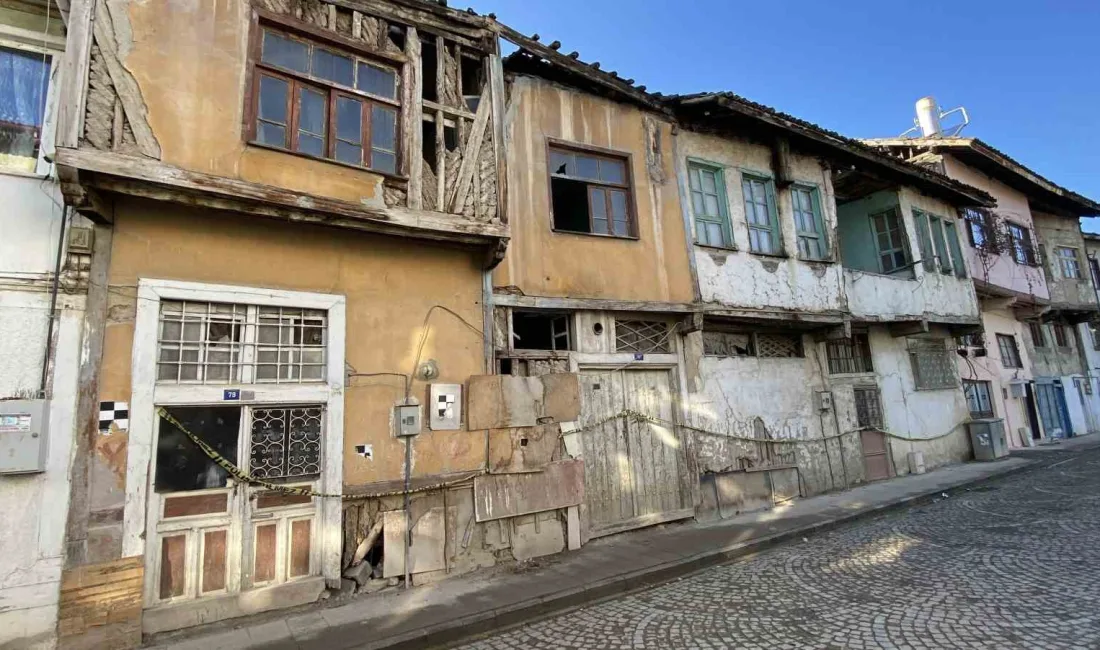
point(778, 345)
point(933, 365)
point(752, 344)
point(219, 343)
point(642, 336)
point(868, 408)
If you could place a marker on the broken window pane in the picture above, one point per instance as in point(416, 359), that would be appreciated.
point(284, 52)
point(24, 80)
point(540, 331)
point(727, 344)
point(562, 163)
point(181, 464)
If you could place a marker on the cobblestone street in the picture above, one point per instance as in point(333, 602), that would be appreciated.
point(1012, 564)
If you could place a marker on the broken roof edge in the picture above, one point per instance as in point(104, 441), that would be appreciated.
point(731, 101)
point(1089, 207)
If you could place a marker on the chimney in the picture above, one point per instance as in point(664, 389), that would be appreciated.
point(928, 116)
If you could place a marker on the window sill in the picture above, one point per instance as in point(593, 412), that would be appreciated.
point(777, 256)
point(934, 388)
point(21, 174)
point(812, 260)
point(717, 249)
point(596, 234)
point(888, 276)
point(392, 178)
point(853, 375)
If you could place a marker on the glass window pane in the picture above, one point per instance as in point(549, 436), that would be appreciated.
point(310, 144)
point(588, 167)
point(709, 184)
point(383, 161)
point(378, 81)
point(311, 111)
point(271, 134)
point(712, 205)
point(613, 171)
point(24, 79)
point(618, 205)
point(334, 67)
point(285, 53)
point(273, 99)
point(349, 153)
point(693, 179)
point(349, 120)
point(181, 465)
point(562, 163)
point(697, 203)
point(598, 201)
point(621, 228)
point(714, 235)
point(383, 128)
point(599, 226)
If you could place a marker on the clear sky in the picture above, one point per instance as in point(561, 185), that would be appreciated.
point(1028, 72)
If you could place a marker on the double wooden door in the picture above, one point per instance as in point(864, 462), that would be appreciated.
point(635, 469)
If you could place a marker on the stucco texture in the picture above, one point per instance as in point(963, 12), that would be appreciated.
point(741, 279)
point(543, 262)
point(190, 61)
point(390, 285)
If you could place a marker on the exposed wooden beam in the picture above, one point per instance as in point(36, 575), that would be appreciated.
point(74, 74)
point(412, 123)
point(592, 304)
point(471, 155)
point(470, 35)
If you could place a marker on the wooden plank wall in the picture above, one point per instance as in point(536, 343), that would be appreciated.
point(100, 605)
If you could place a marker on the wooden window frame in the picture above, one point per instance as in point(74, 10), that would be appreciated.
point(748, 176)
point(1060, 338)
point(924, 240)
point(954, 247)
point(1065, 260)
point(722, 220)
point(600, 153)
point(979, 222)
point(939, 244)
point(902, 245)
point(1022, 243)
point(263, 21)
point(818, 210)
point(1007, 342)
point(854, 351)
point(1038, 335)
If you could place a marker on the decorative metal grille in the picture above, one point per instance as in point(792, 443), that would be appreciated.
point(778, 345)
point(850, 355)
point(728, 344)
point(215, 343)
point(286, 442)
point(868, 408)
point(933, 367)
point(641, 336)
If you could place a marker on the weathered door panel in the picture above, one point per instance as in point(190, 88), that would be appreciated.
point(876, 458)
point(655, 448)
point(609, 492)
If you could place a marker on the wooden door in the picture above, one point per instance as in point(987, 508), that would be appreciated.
point(876, 455)
point(633, 469)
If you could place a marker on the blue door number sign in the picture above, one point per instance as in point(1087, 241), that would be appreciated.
point(231, 394)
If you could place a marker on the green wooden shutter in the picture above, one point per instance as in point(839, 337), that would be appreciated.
point(925, 242)
point(958, 263)
point(773, 211)
point(819, 216)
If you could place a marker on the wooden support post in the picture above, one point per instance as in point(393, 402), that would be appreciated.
point(496, 84)
point(440, 126)
point(356, 25)
point(74, 74)
point(413, 161)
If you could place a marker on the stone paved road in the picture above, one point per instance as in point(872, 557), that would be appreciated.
point(1013, 564)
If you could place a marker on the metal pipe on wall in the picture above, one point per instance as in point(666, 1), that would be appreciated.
point(52, 314)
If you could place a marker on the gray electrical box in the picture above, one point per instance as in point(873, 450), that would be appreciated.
point(823, 400)
point(408, 420)
point(23, 435)
point(987, 437)
point(446, 407)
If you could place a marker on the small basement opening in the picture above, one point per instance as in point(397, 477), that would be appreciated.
point(540, 331)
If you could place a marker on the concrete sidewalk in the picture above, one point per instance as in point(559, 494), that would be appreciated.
point(476, 603)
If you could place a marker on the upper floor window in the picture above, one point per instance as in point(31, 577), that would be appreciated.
point(760, 213)
point(748, 343)
point(591, 193)
point(1010, 353)
point(939, 244)
point(1060, 337)
point(1037, 338)
point(218, 343)
point(25, 81)
point(849, 356)
point(979, 226)
point(323, 102)
point(933, 364)
point(1094, 269)
point(809, 223)
point(708, 205)
point(1019, 238)
point(893, 254)
point(1068, 264)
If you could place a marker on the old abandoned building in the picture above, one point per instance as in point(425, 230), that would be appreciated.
point(429, 308)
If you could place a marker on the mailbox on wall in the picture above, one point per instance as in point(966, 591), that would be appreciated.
point(23, 435)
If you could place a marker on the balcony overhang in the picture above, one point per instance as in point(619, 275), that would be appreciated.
point(89, 178)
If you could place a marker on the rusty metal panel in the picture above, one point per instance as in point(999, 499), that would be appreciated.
point(876, 461)
point(497, 496)
point(523, 449)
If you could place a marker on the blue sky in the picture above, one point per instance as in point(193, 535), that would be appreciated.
point(1027, 72)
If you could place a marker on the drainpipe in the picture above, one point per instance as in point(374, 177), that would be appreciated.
point(53, 305)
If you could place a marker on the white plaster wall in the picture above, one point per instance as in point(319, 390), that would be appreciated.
point(990, 368)
point(735, 277)
point(34, 507)
point(30, 220)
point(927, 293)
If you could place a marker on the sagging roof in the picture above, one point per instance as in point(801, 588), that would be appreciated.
point(1047, 195)
point(731, 111)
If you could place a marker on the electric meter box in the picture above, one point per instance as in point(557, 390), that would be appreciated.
point(23, 435)
point(408, 420)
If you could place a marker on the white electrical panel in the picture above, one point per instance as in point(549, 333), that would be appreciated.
point(446, 407)
point(408, 420)
point(23, 439)
point(823, 400)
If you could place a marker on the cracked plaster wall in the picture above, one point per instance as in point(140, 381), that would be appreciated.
point(741, 279)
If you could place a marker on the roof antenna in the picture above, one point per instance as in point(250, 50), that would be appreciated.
point(929, 120)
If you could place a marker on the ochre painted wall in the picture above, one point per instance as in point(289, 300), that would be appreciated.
point(390, 285)
point(190, 62)
point(542, 262)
